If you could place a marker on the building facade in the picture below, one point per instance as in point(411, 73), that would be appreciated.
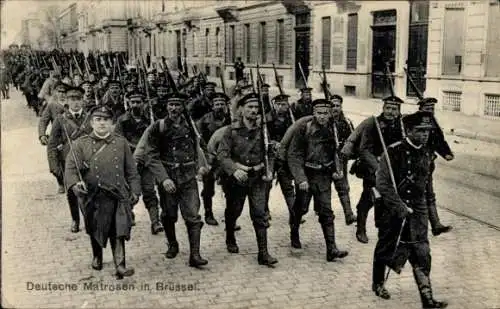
point(262, 33)
point(463, 69)
point(450, 48)
point(30, 33)
point(68, 28)
point(102, 26)
point(360, 44)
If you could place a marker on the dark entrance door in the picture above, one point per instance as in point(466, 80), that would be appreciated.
point(384, 51)
point(417, 58)
point(301, 56)
point(178, 49)
point(417, 46)
point(384, 47)
point(302, 38)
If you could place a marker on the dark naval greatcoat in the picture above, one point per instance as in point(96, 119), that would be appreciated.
point(108, 169)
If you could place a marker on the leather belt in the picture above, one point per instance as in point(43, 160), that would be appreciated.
point(318, 166)
point(177, 165)
point(254, 168)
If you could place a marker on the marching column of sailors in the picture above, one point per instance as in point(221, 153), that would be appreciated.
point(113, 141)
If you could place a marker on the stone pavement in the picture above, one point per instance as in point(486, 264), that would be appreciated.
point(38, 248)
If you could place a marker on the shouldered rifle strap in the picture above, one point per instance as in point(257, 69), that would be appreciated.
point(162, 125)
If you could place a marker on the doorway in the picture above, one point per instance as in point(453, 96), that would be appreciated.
point(302, 46)
point(383, 52)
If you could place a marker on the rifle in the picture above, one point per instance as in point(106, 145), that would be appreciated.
point(72, 151)
point(199, 150)
point(146, 87)
point(221, 76)
point(388, 76)
point(336, 158)
point(278, 83)
point(120, 74)
point(87, 67)
point(97, 68)
point(303, 75)
point(265, 131)
point(324, 85)
point(78, 66)
point(393, 181)
point(420, 97)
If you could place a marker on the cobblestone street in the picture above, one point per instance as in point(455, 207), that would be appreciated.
point(38, 248)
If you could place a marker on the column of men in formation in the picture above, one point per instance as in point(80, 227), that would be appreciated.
point(110, 144)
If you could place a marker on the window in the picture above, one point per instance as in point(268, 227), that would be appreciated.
point(195, 43)
point(263, 42)
point(492, 105)
point(419, 12)
point(217, 42)
point(207, 42)
point(326, 23)
point(350, 90)
point(352, 41)
point(231, 53)
point(154, 44)
point(452, 101)
point(280, 41)
point(453, 38)
point(247, 43)
point(493, 44)
point(207, 70)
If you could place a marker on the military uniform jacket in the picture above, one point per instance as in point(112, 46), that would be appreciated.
point(47, 88)
point(208, 124)
point(344, 129)
point(170, 151)
point(301, 109)
point(75, 128)
point(287, 138)
point(242, 145)
point(111, 168)
point(411, 167)
point(49, 114)
point(370, 146)
point(131, 129)
point(115, 103)
point(107, 166)
point(437, 142)
point(278, 127)
point(198, 107)
point(311, 147)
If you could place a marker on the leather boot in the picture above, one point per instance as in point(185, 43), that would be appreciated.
point(118, 249)
point(345, 201)
point(173, 245)
point(378, 279)
point(75, 226)
point(425, 289)
point(209, 215)
point(295, 236)
point(156, 226)
point(264, 258)
point(231, 245)
point(133, 218)
point(332, 252)
point(361, 227)
point(194, 233)
point(74, 210)
point(437, 227)
point(61, 189)
point(96, 253)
